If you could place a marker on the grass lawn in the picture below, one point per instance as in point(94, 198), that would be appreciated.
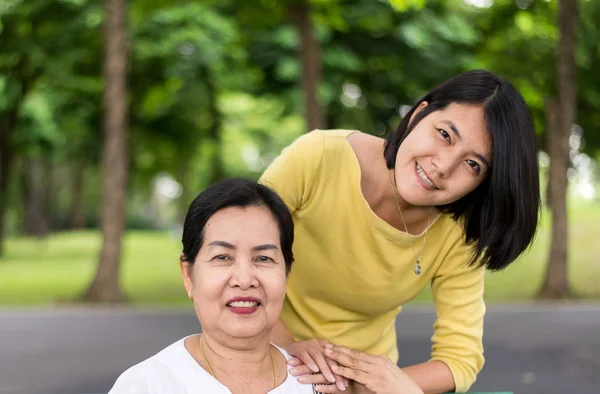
point(56, 270)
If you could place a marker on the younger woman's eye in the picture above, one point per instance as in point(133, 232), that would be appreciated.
point(445, 135)
point(474, 165)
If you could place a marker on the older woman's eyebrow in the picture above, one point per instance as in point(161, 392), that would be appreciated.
point(254, 249)
point(264, 247)
point(223, 244)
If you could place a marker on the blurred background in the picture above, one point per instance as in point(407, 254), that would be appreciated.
point(115, 114)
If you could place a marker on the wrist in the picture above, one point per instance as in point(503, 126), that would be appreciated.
point(283, 343)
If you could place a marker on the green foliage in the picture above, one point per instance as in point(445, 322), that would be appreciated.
point(200, 66)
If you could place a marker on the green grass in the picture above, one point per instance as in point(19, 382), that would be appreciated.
point(58, 269)
point(523, 279)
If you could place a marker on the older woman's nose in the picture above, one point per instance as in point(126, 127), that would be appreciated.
point(243, 275)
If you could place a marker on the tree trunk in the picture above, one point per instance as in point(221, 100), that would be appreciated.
point(214, 132)
point(48, 193)
point(105, 286)
point(310, 54)
point(184, 199)
point(556, 283)
point(7, 123)
point(78, 218)
point(33, 195)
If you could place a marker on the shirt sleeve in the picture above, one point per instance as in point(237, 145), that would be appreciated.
point(130, 382)
point(293, 172)
point(458, 331)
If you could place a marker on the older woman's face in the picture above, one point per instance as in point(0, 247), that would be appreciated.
point(238, 279)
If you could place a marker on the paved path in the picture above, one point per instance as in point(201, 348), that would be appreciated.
point(530, 349)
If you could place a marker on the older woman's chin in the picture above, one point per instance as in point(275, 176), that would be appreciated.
point(248, 328)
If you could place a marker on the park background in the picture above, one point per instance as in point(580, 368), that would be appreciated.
point(115, 114)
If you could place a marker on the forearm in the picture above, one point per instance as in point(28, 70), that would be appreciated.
point(281, 335)
point(432, 377)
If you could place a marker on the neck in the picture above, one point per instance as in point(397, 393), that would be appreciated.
point(416, 217)
point(392, 194)
point(247, 362)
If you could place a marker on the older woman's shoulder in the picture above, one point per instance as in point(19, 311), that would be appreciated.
point(291, 384)
point(172, 370)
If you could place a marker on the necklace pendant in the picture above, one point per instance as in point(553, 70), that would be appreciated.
point(418, 268)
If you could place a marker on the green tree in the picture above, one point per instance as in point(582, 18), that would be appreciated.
point(561, 117)
point(105, 286)
point(33, 38)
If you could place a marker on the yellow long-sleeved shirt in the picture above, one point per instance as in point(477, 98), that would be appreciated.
point(354, 271)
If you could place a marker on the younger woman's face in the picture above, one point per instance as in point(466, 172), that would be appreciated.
point(447, 155)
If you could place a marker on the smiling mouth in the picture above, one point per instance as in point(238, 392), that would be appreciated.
point(244, 307)
point(425, 178)
point(243, 304)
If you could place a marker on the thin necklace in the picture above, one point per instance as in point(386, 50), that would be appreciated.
point(213, 375)
point(417, 259)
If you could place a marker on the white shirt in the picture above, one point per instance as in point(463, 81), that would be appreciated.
point(173, 370)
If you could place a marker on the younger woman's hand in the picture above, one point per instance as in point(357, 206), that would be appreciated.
point(377, 373)
point(311, 365)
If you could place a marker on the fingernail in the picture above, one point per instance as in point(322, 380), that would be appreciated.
point(335, 367)
point(331, 379)
point(328, 351)
point(314, 368)
point(294, 371)
point(302, 379)
point(329, 346)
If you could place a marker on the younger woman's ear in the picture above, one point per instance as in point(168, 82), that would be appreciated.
point(419, 108)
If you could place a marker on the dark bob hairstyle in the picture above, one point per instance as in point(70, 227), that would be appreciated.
point(235, 192)
point(501, 216)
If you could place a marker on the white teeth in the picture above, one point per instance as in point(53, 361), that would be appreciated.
point(243, 304)
point(425, 178)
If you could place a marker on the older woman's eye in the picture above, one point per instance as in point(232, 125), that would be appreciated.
point(221, 257)
point(264, 259)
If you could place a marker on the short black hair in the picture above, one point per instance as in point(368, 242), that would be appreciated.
point(502, 214)
point(235, 192)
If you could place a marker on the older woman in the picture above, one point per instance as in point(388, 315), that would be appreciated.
point(237, 253)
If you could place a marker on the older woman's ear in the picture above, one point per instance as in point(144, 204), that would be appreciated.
point(186, 274)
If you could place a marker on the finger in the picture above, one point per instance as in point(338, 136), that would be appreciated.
point(340, 382)
point(326, 388)
point(323, 366)
point(356, 375)
point(308, 360)
point(353, 361)
point(366, 357)
point(294, 361)
point(315, 378)
point(301, 370)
